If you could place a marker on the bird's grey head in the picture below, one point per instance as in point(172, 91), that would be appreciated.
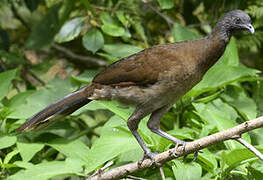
point(234, 20)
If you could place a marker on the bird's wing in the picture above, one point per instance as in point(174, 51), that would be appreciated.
point(142, 68)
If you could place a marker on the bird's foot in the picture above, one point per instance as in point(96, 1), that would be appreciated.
point(179, 143)
point(149, 155)
point(195, 155)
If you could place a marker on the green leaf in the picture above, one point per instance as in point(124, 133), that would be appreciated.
point(186, 171)
point(93, 40)
point(6, 82)
point(43, 33)
point(181, 33)
point(122, 18)
point(114, 140)
point(72, 149)
point(7, 141)
point(19, 98)
point(208, 160)
point(107, 19)
point(111, 26)
point(114, 107)
point(230, 56)
point(166, 4)
point(86, 77)
point(18, 105)
point(182, 133)
point(221, 76)
point(88, 6)
point(10, 155)
point(226, 71)
point(70, 30)
point(243, 104)
point(28, 150)
point(13, 58)
point(236, 156)
point(118, 51)
point(113, 30)
point(26, 104)
point(256, 170)
point(92, 106)
point(137, 25)
point(23, 164)
point(258, 97)
point(47, 170)
point(222, 116)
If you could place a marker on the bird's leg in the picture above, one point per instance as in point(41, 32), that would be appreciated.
point(147, 152)
point(154, 125)
point(133, 123)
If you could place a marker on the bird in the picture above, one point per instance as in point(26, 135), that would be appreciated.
point(151, 80)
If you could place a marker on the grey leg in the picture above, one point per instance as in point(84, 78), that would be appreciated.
point(133, 123)
point(154, 125)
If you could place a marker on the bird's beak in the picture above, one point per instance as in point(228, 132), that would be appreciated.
point(250, 28)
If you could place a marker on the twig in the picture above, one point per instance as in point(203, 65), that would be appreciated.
point(103, 8)
point(135, 178)
point(18, 16)
point(88, 130)
point(166, 18)
point(250, 147)
point(37, 78)
point(99, 171)
point(162, 173)
point(28, 27)
point(190, 147)
point(3, 66)
point(83, 59)
point(198, 25)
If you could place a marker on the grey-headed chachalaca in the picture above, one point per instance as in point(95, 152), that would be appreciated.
point(151, 80)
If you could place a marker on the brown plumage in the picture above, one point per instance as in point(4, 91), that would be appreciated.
point(151, 80)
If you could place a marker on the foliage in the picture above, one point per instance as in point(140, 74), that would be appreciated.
point(50, 48)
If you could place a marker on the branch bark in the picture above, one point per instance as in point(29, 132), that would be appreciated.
point(229, 134)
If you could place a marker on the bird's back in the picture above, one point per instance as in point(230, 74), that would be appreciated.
point(175, 61)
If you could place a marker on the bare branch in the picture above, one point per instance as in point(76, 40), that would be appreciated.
point(135, 178)
point(37, 78)
point(83, 59)
point(18, 16)
point(102, 169)
point(250, 147)
point(2, 65)
point(198, 25)
point(229, 134)
point(162, 173)
point(169, 21)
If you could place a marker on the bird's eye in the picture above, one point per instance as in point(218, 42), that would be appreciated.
point(238, 21)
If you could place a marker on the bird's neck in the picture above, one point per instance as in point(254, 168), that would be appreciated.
point(222, 32)
point(215, 44)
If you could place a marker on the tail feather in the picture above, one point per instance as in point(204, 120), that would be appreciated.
point(58, 109)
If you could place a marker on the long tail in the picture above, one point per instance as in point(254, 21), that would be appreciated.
point(58, 109)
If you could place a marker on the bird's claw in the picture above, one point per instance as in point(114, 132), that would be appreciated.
point(151, 156)
point(180, 143)
point(195, 155)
